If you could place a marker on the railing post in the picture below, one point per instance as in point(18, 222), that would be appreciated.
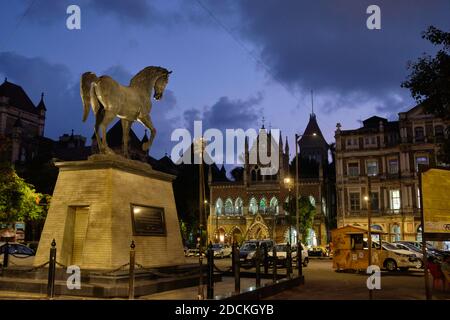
point(210, 287)
point(201, 294)
point(131, 274)
point(299, 258)
point(275, 261)
point(51, 271)
point(288, 261)
point(237, 271)
point(233, 262)
point(258, 266)
point(266, 260)
point(6, 256)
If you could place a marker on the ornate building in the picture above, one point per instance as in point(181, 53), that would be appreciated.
point(253, 207)
point(388, 152)
point(21, 122)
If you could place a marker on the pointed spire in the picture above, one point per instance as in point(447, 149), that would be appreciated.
point(312, 104)
point(6, 80)
point(41, 105)
point(286, 148)
point(263, 122)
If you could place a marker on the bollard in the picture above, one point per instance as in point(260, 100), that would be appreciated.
point(6, 255)
point(299, 259)
point(210, 287)
point(131, 274)
point(258, 266)
point(288, 261)
point(275, 261)
point(237, 271)
point(51, 271)
point(266, 260)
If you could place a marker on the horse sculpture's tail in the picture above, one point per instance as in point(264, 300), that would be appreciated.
point(87, 80)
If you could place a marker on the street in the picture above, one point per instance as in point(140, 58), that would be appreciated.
point(322, 282)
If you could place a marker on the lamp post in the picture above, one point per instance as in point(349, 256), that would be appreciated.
point(368, 199)
point(288, 184)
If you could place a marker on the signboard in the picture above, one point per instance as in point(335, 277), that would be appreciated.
point(148, 221)
point(436, 201)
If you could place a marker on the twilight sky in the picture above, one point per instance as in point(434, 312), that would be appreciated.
point(233, 61)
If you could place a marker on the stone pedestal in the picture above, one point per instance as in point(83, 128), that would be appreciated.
point(91, 218)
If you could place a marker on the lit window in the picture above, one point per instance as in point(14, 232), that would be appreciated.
point(393, 166)
point(395, 199)
point(372, 167)
point(253, 206)
point(421, 160)
point(228, 206)
point(353, 169)
point(355, 201)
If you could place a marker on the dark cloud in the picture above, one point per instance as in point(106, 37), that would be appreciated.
point(140, 12)
point(325, 45)
point(62, 97)
point(227, 113)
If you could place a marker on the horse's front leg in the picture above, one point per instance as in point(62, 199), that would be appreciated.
point(126, 134)
point(146, 121)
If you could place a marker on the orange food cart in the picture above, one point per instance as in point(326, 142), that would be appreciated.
point(350, 248)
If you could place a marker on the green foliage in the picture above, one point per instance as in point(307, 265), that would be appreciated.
point(429, 81)
point(18, 199)
point(306, 213)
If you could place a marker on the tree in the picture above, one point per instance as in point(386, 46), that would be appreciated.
point(306, 213)
point(429, 81)
point(18, 199)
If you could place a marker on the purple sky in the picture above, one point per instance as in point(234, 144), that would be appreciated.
point(233, 62)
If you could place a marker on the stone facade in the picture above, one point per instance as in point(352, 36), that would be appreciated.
point(389, 152)
point(103, 189)
point(254, 207)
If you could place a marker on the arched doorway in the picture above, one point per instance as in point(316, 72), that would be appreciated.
point(419, 233)
point(395, 233)
point(220, 235)
point(236, 235)
point(376, 237)
point(311, 238)
point(258, 231)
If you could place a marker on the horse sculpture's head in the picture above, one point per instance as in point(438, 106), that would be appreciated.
point(161, 84)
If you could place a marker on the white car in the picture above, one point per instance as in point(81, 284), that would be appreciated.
point(394, 258)
point(414, 251)
point(221, 250)
point(282, 254)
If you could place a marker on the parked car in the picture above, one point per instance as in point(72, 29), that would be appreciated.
point(440, 254)
point(193, 253)
point(18, 253)
point(413, 250)
point(248, 250)
point(282, 254)
point(392, 258)
point(221, 250)
point(318, 251)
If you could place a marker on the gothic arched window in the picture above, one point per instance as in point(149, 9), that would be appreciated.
point(229, 206)
point(238, 206)
point(219, 206)
point(253, 207)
